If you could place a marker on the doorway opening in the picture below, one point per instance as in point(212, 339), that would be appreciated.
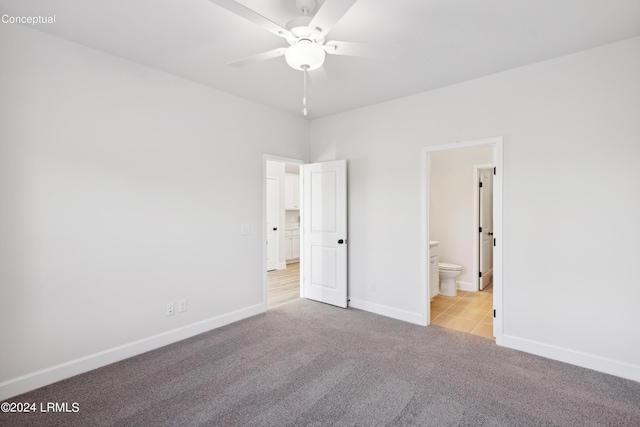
point(282, 196)
point(452, 213)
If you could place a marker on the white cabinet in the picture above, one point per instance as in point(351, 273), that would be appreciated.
point(295, 244)
point(291, 192)
point(292, 245)
point(434, 272)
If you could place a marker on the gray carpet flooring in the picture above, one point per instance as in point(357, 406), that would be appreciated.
point(309, 364)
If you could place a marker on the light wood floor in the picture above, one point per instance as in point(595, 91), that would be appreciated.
point(283, 285)
point(467, 312)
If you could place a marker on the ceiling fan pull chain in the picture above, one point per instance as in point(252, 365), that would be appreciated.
point(304, 93)
point(305, 110)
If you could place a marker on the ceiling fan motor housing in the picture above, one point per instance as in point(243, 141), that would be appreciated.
point(299, 28)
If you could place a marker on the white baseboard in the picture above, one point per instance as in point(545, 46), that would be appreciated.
point(282, 266)
point(585, 360)
point(467, 286)
point(383, 310)
point(34, 380)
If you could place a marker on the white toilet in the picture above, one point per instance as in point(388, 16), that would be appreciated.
point(448, 273)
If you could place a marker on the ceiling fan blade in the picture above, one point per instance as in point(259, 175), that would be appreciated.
point(250, 15)
point(264, 56)
point(329, 14)
point(318, 76)
point(361, 49)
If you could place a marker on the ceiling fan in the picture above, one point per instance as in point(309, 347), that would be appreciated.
point(306, 35)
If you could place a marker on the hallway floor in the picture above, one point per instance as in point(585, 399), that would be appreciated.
point(470, 312)
point(283, 285)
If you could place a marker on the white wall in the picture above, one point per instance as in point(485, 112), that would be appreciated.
point(451, 209)
point(571, 202)
point(121, 189)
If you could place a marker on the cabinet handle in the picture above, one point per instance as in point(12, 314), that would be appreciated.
point(275, 228)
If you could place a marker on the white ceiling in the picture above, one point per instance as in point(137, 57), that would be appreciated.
point(440, 42)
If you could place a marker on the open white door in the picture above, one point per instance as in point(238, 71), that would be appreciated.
point(486, 227)
point(324, 222)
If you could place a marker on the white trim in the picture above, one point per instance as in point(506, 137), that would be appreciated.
point(43, 377)
point(585, 360)
point(425, 165)
point(467, 286)
point(498, 301)
point(385, 310)
point(459, 145)
point(425, 279)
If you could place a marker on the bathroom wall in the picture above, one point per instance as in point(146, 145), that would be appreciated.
point(451, 213)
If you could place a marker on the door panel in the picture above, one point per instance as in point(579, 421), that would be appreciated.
point(272, 223)
point(324, 222)
point(323, 198)
point(323, 267)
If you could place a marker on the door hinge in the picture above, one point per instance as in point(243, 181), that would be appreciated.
point(494, 313)
point(494, 170)
point(479, 273)
point(480, 184)
point(494, 242)
point(480, 228)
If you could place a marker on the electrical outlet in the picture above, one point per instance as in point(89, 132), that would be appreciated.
point(182, 306)
point(170, 309)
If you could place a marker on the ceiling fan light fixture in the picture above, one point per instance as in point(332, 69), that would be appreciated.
point(305, 55)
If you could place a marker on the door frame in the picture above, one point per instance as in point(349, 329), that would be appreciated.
point(476, 216)
point(265, 283)
point(425, 166)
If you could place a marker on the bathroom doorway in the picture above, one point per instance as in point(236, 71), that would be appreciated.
point(451, 217)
